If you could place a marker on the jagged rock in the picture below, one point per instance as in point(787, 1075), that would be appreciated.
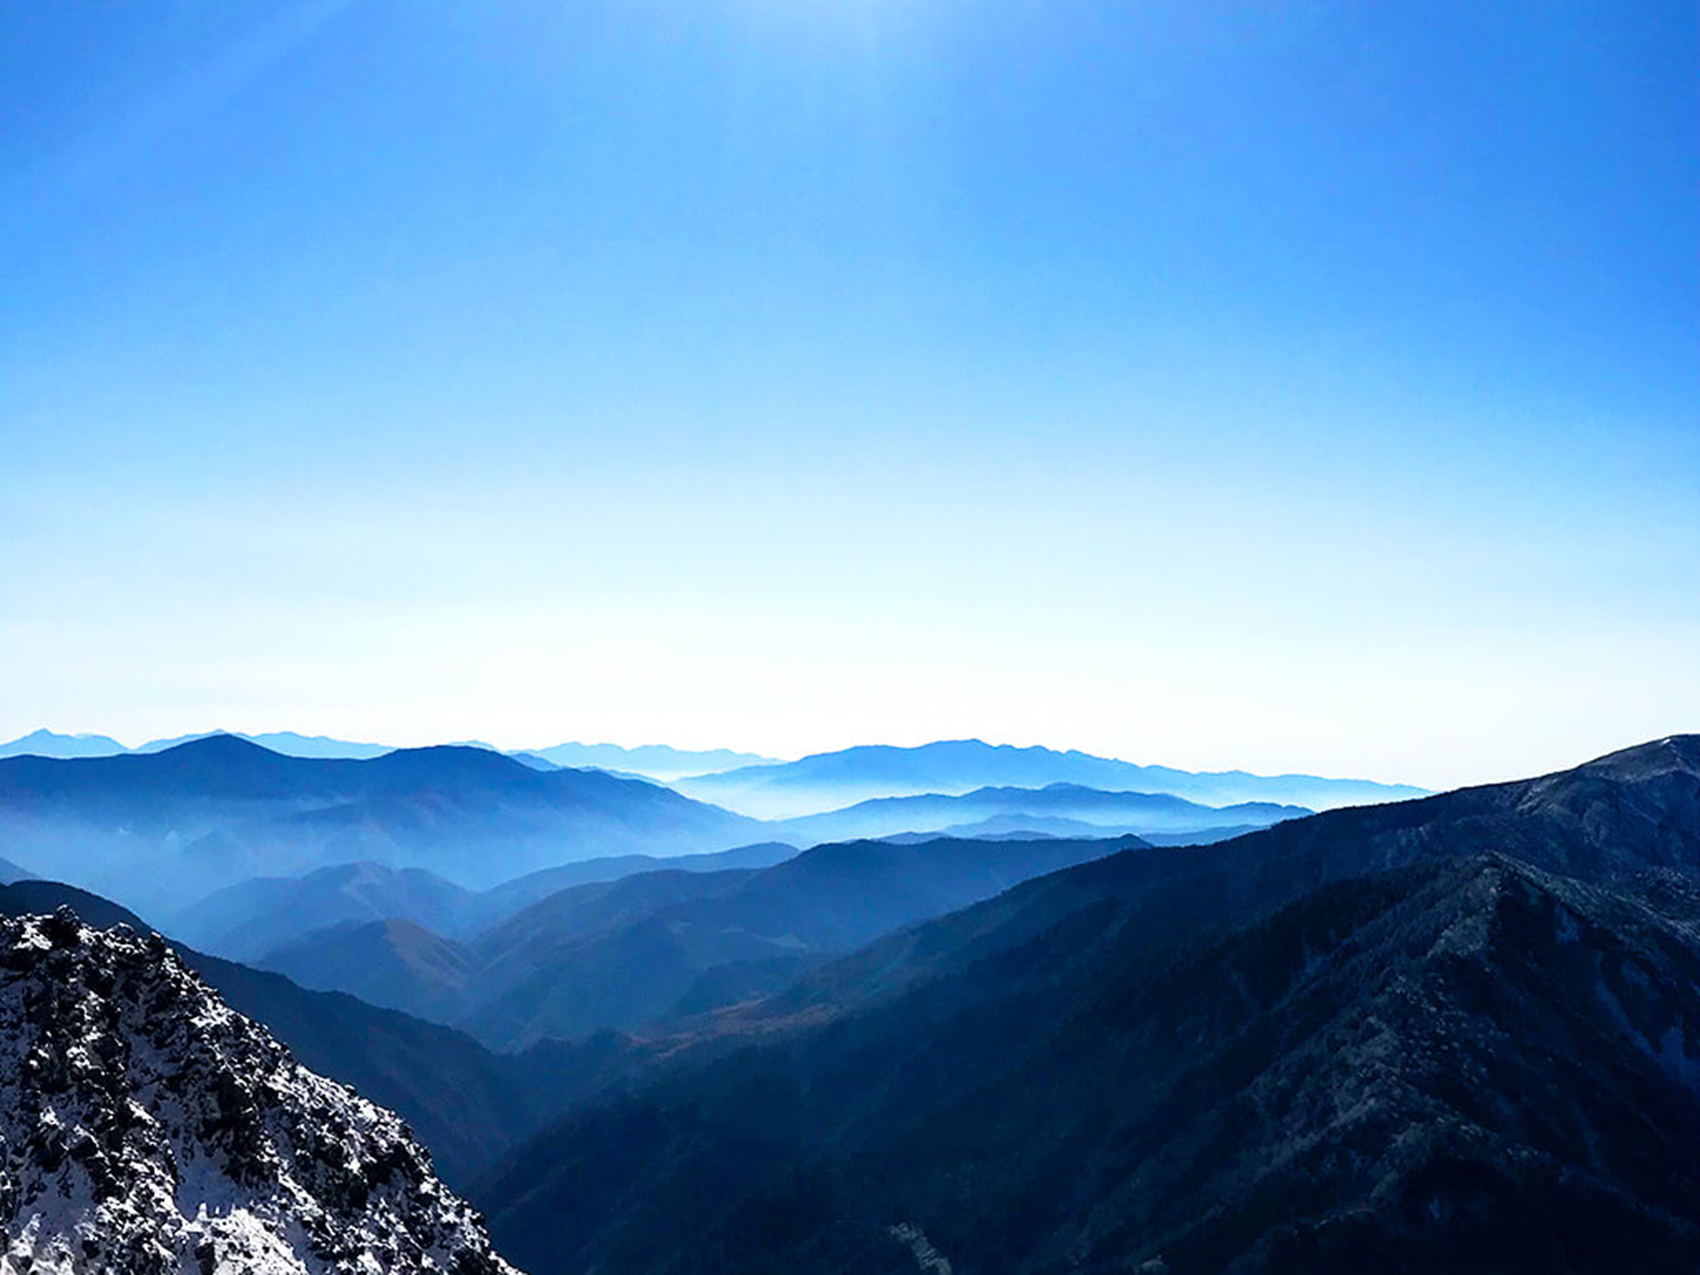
point(147, 1128)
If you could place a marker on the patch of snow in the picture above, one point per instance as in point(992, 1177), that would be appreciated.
point(927, 1258)
point(146, 1127)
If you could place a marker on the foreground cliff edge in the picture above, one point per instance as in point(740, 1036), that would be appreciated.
point(147, 1127)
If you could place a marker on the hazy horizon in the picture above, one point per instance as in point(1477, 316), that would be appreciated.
point(1292, 389)
point(138, 741)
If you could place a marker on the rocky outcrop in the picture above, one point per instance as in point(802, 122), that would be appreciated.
point(146, 1127)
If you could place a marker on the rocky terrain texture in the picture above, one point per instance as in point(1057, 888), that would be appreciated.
point(145, 1127)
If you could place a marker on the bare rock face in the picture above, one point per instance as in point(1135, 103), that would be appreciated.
point(146, 1127)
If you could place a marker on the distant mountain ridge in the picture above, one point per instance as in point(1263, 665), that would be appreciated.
point(658, 761)
point(144, 827)
point(822, 781)
point(1054, 806)
point(829, 781)
point(287, 742)
point(46, 743)
point(654, 761)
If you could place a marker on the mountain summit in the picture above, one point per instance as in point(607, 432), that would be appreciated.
point(148, 1128)
point(952, 767)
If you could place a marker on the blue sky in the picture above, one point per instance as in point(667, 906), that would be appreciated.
point(1307, 386)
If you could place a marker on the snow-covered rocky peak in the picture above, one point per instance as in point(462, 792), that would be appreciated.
point(146, 1127)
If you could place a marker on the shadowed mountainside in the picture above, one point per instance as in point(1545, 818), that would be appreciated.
point(1461, 1033)
point(623, 953)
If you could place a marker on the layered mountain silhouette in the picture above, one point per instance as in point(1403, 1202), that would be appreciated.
point(146, 827)
point(257, 916)
point(664, 944)
point(828, 781)
point(657, 761)
point(443, 827)
point(252, 917)
point(46, 743)
point(289, 743)
point(1061, 809)
point(149, 1128)
point(521, 892)
point(1461, 1032)
point(1458, 1033)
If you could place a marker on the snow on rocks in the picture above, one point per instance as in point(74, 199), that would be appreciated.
point(147, 1128)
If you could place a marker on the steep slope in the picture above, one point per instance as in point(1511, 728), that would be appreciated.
point(466, 1103)
point(1618, 818)
point(512, 896)
point(554, 971)
point(1466, 1064)
point(1139, 813)
point(1393, 1038)
point(396, 964)
point(828, 781)
point(218, 810)
point(253, 917)
point(655, 945)
point(149, 1128)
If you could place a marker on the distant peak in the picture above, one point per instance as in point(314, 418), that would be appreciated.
point(1673, 753)
point(218, 742)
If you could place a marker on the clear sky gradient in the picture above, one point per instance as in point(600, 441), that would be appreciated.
point(1307, 386)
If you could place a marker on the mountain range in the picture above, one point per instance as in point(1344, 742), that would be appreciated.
point(256, 916)
point(657, 761)
point(1460, 1032)
point(46, 743)
point(770, 789)
point(159, 830)
point(829, 781)
point(654, 761)
point(1068, 808)
point(1455, 1033)
point(466, 1103)
point(663, 944)
point(146, 828)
